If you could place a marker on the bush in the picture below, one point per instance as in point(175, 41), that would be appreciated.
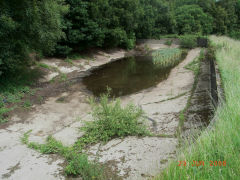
point(79, 165)
point(188, 41)
point(62, 50)
point(235, 34)
point(168, 42)
point(111, 120)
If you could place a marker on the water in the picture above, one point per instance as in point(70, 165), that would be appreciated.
point(125, 76)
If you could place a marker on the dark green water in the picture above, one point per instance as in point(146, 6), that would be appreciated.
point(125, 76)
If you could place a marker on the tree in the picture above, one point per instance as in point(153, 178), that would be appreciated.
point(26, 26)
point(192, 19)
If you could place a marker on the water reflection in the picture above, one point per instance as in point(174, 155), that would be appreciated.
point(126, 76)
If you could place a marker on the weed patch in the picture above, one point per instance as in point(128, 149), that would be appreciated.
point(14, 88)
point(195, 64)
point(169, 42)
point(27, 104)
point(77, 163)
point(43, 65)
point(111, 120)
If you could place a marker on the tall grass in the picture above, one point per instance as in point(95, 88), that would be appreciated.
point(167, 57)
point(222, 142)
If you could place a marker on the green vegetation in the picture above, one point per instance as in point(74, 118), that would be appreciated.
point(188, 41)
point(191, 18)
point(13, 89)
point(111, 120)
point(222, 142)
point(167, 57)
point(169, 42)
point(63, 27)
point(38, 28)
point(43, 65)
point(28, 26)
point(195, 64)
point(77, 163)
point(63, 77)
point(27, 104)
point(77, 56)
point(119, 23)
point(3, 112)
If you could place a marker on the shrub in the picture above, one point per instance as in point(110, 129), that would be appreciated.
point(188, 41)
point(111, 120)
point(235, 34)
point(79, 165)
point(169, 42)
point(62, 50)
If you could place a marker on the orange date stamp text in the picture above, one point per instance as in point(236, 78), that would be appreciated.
point(202, 163)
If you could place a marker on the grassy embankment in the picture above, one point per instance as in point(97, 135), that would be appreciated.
point(222, 142)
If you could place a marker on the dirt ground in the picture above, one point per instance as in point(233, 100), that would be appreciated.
point(64, 111)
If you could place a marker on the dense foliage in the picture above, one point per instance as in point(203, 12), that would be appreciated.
point(48, 26)
point(28, 26)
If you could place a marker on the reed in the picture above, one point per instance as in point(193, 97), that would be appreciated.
point(167, 57)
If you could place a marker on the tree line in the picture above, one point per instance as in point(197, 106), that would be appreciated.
point(60, 27)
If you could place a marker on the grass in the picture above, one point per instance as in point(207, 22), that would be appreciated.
point(43, 65)
point(222, 142)
point(188, 41)
point(63, 77)
point(77, 163)
point(195, 64)
point(167, 57)
point(76, 56)
point(111, 120)
point(68, 60)
point(27, 104)
point(169, 42)
point(14, 88)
